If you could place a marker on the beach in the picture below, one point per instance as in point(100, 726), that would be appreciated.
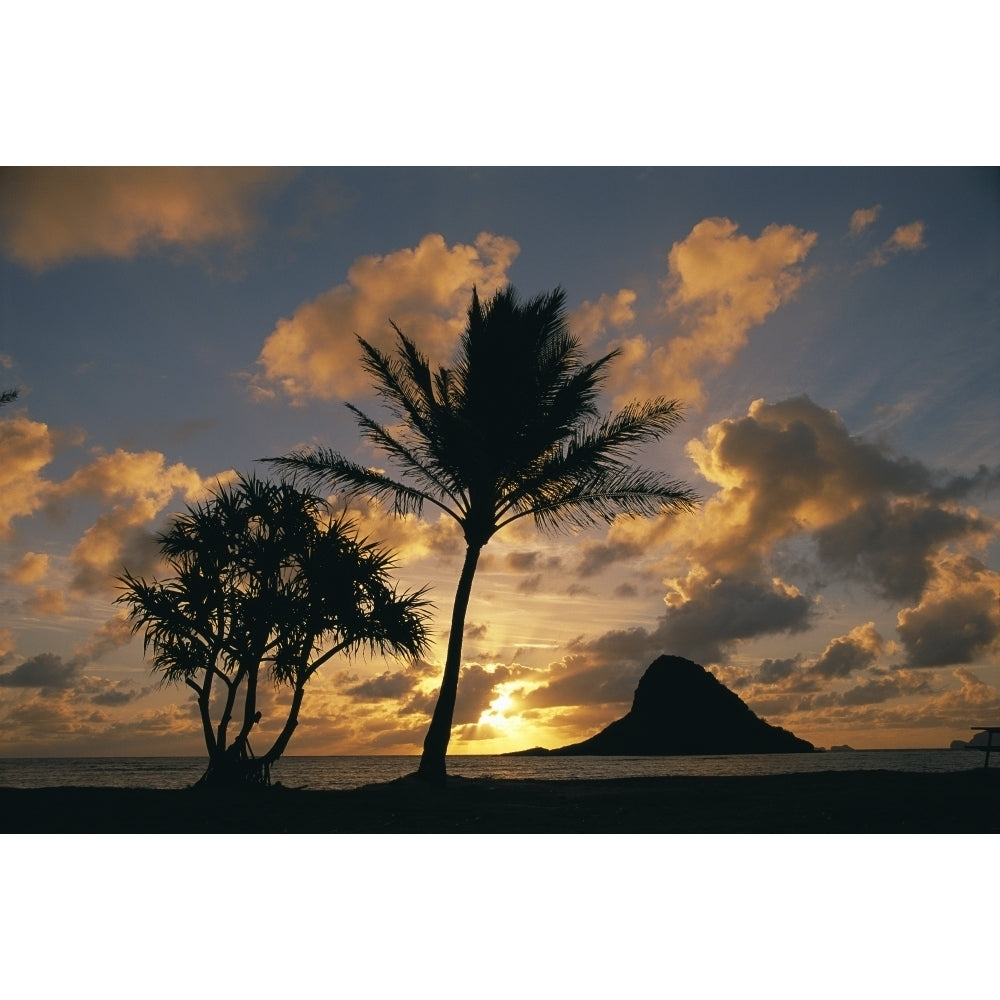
point(827, 802)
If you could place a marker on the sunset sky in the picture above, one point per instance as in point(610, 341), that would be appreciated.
point(832, 333)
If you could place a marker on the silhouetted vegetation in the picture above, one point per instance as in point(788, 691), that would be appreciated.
point(8, 396)
point(511, 430)
point(264, 581)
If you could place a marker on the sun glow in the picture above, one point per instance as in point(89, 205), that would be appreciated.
point(496, 714)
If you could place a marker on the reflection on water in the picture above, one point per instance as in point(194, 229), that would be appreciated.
point(350, 772)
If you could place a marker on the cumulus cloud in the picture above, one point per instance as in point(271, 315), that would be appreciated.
point(49, 215)
point(138, 487)
point(789, 473)
point(593, 320)
point(958, 617)
point(425, 290)
point(720, 284)
point(45, 670)
point(26, 447)
point(851, 653)
point(705, 617)
point(31, 568)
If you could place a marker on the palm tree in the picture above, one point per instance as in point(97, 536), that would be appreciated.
point(512, 430)
point(264, 583)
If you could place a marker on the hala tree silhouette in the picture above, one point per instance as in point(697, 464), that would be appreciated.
point(512, 430)
point(263, 579)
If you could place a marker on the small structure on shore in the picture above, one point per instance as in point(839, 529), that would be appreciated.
point(681, 708)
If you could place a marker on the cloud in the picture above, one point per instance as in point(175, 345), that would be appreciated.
point(26, 447)
point(892, 542)
point(774, 671)
point(908, 238)
point(850, 653)
point(425, 290)
point(49, 215)
point(578, 681)
point(958, 617)
point(46, 670)
point(791, 477)
point(705, 616)
point(592, 320)
point(139, 486)
point(47, 602)
point(863, 218)
point(720, 284)
point(32, 568)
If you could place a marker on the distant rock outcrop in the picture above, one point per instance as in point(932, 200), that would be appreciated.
point(680, 708)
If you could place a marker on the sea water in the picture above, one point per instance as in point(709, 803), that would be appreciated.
point(352, 772)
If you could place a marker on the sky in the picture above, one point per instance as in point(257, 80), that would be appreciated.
point(831, 333)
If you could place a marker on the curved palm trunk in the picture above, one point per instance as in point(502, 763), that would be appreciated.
point(432, 763)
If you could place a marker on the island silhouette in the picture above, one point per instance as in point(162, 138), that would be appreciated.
point(681, 708)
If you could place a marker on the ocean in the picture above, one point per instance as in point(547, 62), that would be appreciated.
point(352, 772)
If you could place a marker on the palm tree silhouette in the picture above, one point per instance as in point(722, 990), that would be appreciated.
point(511, 430)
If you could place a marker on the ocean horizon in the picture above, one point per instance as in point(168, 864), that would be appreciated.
point(344, 771)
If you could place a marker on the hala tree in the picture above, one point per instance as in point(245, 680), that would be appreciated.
point(511, 430)
point(264, 582)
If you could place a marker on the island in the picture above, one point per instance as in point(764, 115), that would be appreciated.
point(680, 708)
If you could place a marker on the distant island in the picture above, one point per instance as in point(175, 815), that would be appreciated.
point(680, 708)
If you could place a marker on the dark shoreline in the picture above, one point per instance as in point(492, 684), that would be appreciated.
point(824, 802)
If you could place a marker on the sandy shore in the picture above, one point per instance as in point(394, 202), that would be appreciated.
point(828, 802)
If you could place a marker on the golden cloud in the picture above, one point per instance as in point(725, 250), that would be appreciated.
point(48, 602)
point(26, 447)
point(31, 569)
point(593, 319)
point(140, 485)
point(425, 290)
point(720, 284)
point(909, 237)
point(49, 215)
point(863, 218)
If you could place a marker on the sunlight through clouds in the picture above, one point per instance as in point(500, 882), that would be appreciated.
point(828, 332)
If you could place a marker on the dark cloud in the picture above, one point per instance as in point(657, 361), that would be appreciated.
point(597, 556)
point(950, 629)
point(773, 671)
point(391, 684)
point(46, 670)
point(626, 590)
point(892, 544)
point(585, 685)
point(872, 692)
point(530, 585)
point(719, 613)
point(848, 654)
point(118, 696)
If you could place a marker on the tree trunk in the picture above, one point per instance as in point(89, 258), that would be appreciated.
point(278, 747)
point(432, 763)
